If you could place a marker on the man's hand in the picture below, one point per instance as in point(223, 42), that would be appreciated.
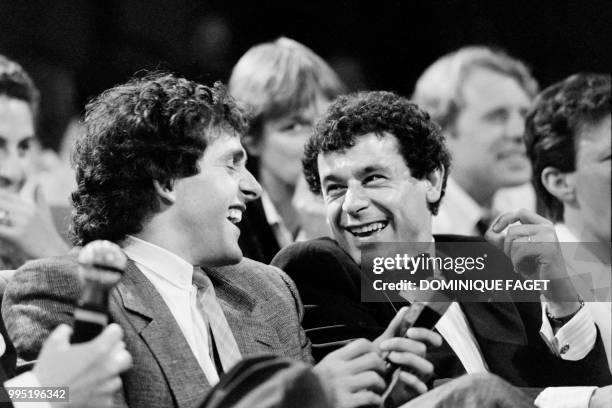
point(27, 223)
point(409, 352)
point(351, 375)
point(89, 370)
point(602, 398)
point(534, 250)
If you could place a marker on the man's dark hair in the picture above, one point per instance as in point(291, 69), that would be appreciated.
point(557, 118)
point(15, 83)
point(151, 128)
point(420, 140)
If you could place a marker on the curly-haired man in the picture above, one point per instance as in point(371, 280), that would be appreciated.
point(161, 171)
point(381, 164)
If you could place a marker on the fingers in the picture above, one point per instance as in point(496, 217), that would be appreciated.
point(367, 362)
point(403, 344)
point(30, 190)
point(429, 337)
point(368, 380)
point(353, 349)
point(413, 381)
point(121, 359)
point(109, 336)
point(524, 216)
point(520, 233)
point(360, 399)
point(412, 362)
point(110, 386)
point(394, 329)
point(60, 337)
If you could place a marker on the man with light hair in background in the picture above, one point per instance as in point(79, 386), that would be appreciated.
point(480, 96)
point(286, 87)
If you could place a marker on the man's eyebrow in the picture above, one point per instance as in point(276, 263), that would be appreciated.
point(236, 154)
point(371, 169)
point(360, 173)
point(330, 178)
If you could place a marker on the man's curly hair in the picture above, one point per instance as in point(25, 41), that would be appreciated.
point(558, 116)
point(150, 128)
point(420, 140)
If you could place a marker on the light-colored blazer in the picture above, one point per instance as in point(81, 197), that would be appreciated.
point(260, 302)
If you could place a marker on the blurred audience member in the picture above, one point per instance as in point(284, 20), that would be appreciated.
point(568, 141)
point(286, 86)
point(27, 228)
point(479, 97)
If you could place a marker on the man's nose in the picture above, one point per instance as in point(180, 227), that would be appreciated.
point(355, 200)
point(12, 173)
point(249, 186)
point(515, 127)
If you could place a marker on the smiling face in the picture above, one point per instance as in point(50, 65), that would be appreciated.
point(17, 143)
point(486, 141)
point(371, 196)
point(208, 205)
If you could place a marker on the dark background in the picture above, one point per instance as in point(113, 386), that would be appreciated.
point(76, 48)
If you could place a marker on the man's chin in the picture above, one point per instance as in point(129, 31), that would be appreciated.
point(515, 178)
point(228, 258)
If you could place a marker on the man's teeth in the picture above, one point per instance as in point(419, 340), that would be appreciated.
point(365, 229)
point(234, 215)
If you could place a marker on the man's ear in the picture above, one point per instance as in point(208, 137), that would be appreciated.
point(251, 144)
point(165, 191)
point(559, 184)
point(434, 185)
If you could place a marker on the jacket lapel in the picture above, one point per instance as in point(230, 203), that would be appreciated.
point(244, 316)
point(155, 324)
point(498, 320)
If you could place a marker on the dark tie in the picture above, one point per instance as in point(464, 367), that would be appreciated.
point(483, 224)
point(445, 361)
point(222, 337)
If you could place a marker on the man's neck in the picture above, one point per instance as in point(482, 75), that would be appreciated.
point(281, 195)
point(575, 224)
point(157, 233)
point(481, 193)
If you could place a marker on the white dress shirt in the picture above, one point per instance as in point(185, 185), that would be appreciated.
point(275, 221)
point(572, 342)
point(601, 278)
point(172, 278)
point(459, 213)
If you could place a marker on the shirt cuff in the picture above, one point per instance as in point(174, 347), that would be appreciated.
point(574, 340)
point(565, 397)
point(27, 379)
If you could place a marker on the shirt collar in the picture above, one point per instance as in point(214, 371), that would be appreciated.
point(272, 214)
point(564, 234)
point(163, 263)
point(462, 204)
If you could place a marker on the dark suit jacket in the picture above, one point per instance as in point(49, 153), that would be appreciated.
point(260, 303)
point(507, 333)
